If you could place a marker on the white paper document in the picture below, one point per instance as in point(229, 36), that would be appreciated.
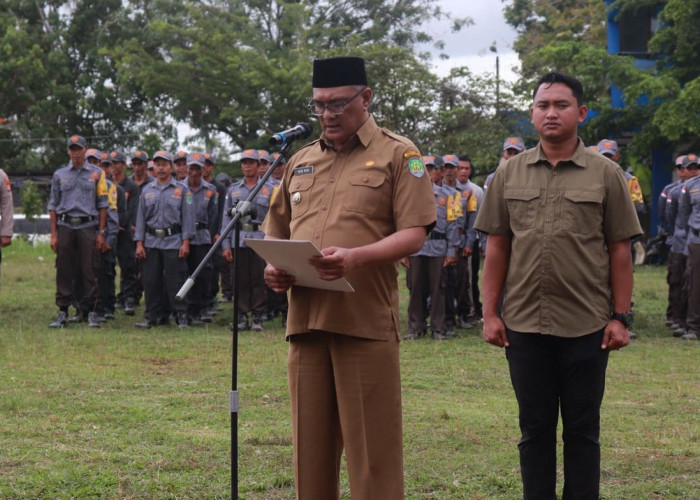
point(293, 257)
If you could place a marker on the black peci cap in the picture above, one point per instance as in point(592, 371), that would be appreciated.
point(339, 72)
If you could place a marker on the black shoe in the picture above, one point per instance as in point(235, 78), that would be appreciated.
point(679, 332)
point(412, 336)
point(439, 336)
point(78, 318)
point(144, 324)
point(129, 307)
point(633, 335)
point(61, 320)
point(118, 305)
point(243, 322)
point(257, 324)
point(205, 317)
point(92, 320)
point(108, 315)
point(182, 320)
point(450, 333)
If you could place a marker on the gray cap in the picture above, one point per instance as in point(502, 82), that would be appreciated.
point(163, 155)
point(77, 140)
point(195, 159)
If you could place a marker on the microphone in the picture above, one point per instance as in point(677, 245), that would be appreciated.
point(299, 131)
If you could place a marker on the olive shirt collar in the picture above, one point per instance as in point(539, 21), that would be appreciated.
point(536, 156)
point(363, 135)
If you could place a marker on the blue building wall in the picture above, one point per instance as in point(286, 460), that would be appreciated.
point(662, 158)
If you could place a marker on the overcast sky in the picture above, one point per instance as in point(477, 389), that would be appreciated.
point(470, 47)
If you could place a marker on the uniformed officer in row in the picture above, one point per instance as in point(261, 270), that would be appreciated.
point(427, 266)
point(126, 248)
point(205, 203)
point(469, 244)
point(609, 149)
point(511, 146)
point(165, 225)
point(252, 292)
point(78, 213)
point(668, 226)
point(265, 161)
point(116, 218)
point(455, 210)
point(6, 211)
point(180, 166)
point(689, 221)
point(141, 177)
point(221, 267)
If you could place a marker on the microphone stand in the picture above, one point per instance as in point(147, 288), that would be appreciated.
point(242, 210)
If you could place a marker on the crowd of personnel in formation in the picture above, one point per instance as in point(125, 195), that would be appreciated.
point(160, 222)
point(679, 213)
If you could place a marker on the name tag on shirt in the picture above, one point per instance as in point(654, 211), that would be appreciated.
point(304, 170)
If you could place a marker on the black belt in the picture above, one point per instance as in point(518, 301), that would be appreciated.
point(76, 221)
point(250, 227)
point(162, 233)
point(201, 225)
point(696, 232)
point(435, 235)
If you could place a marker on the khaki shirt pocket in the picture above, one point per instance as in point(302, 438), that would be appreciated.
point(300, 194)
point(522, 207)
point(582, 211)
point(364, 193)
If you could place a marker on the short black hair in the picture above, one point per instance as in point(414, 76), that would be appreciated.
point(464, 158)
point(554, 77)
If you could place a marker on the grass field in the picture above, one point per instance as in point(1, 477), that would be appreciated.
point(121, 413)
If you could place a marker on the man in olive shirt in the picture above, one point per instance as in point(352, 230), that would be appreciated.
point(361, 194)
point(559, 221)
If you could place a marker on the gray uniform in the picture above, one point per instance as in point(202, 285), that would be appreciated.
point(426, 269)
point(689, 221)
point(252, 293)
point(77, 196)
point(205, 201)
point(165, 218)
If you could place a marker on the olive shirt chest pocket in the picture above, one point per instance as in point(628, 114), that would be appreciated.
point(364, 192)
point(300, 194)
point(522, 207)
point(582, 211)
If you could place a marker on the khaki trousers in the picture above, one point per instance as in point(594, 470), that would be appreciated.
point(346, 393)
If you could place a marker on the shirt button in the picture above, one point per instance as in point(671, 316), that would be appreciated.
point(551, 196)
point(317, 236)
point(555, 172)
point(332, 180)
point(341, 155)
point(548, 220)
point(546, 245)
point(365, 180)
point(545, 297)
point(324, 208)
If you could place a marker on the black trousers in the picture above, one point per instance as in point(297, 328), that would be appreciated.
point(75, 268)
point(450, 296)
point(476, 266)
point(427, 278)
point(677, 280)
point(163, 275)
point(200, 296)
point(126, 256)
point(106, 277)
point(552, 374)
point(252, 296)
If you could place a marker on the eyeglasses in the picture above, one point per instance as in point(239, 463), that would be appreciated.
point(336, 108)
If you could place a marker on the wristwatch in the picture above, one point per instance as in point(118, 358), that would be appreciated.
point(626, 318)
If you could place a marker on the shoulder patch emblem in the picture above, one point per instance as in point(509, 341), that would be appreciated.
point(416, 167)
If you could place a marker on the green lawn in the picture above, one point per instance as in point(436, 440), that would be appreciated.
point(123, 413)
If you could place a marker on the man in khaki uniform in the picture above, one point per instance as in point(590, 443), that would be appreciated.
point(362, 195)
point(559, 220)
